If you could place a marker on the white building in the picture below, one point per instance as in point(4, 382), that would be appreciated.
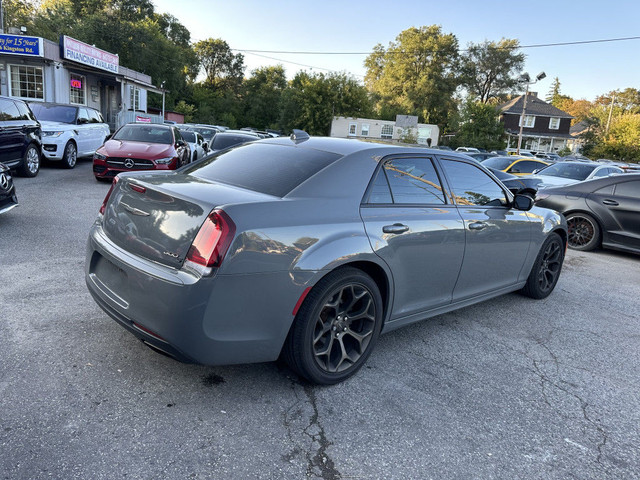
point(404, 129)
point(39, 70)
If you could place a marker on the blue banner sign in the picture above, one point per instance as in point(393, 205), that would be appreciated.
point(21, 45)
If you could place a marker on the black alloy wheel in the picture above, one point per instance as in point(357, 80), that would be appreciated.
point(584, 232)
point(336, 327)
point(546, 269)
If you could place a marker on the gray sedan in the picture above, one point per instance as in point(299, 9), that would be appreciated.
point(309, 248)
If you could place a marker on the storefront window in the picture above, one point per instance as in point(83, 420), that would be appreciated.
point(27, 82)
point(77, 90)
point(134, 98)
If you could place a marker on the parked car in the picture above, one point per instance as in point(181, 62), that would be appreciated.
point(8, 198)
point(207, 131)
point(515, 165)
point(306, 247)
point(69, 131)
point(467, 149)
point(549, 157)
point(566, 173)
point(527, 185)
point(600, 212)
point(141, 146)
point(500, 153)
point(20, 137)
point(197, 144)
point(231, 138)
point(480, 156)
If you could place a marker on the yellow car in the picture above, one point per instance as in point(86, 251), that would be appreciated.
point(515, 165)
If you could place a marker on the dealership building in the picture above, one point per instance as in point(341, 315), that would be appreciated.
point(35, 69)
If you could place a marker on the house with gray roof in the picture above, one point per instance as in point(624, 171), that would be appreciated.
point(546, 128)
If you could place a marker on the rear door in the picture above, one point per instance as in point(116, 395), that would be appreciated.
point(497, 237)
point(414, 228)
point(86, 132)
point(623, 206)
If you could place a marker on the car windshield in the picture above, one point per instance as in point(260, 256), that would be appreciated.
point(572, 170)
point(499, 163)
point(266, 168)
point(144, 133)
point(54, 113)
point(188, 136)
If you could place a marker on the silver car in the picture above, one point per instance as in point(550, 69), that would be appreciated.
point(309, 248)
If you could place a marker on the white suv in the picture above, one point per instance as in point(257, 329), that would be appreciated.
point(69, 131)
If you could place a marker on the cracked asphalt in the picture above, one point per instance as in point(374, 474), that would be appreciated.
point(509, 389)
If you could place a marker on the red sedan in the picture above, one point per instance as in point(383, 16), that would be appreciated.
point(138, 146)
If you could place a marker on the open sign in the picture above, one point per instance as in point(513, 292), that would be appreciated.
point(76, 83)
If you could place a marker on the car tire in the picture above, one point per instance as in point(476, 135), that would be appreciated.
point(30, 162)
point(584, 232)
point(70, 156)
point(546, 268)
point(336, 327)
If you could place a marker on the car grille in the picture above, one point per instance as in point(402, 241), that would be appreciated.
point(139, 163)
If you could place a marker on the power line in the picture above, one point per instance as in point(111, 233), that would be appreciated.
point(295, 63)
point(535, 45)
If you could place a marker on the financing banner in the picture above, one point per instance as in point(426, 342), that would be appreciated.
point(86, 54)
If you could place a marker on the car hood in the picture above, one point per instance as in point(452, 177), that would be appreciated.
point(551, 181)
point(151, 151)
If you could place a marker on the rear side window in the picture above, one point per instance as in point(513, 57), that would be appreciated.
point(628, 189)
point(94, 116)
point(414, 181)
point(472, 186)
point(271, 169)
point(8, 111)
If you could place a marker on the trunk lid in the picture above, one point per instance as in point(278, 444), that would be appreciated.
point(157, 216)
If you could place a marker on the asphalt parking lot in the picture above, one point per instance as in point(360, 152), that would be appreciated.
point(511, 388)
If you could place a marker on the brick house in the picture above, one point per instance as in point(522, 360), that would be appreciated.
point(546, 128)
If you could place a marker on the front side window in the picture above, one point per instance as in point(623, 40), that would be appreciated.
point(8, 111)
point(414, 181)
point(554, 123)
point(77, 90)
point(526, 166)
point(387, 131)
point(471, 186)
point(27, 82)
point(83, 116)
point(529, 121)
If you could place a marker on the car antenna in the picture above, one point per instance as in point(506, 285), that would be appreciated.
point(299, 136)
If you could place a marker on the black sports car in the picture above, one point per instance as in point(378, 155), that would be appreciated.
point(605, 211)
point(8, 199)
point(526, 185)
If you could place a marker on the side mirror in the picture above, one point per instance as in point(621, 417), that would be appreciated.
point(523, 202)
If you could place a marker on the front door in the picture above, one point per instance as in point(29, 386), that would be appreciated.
point(414, 229)
point(497, 236)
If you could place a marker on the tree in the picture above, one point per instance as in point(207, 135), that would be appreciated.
point(262, 96)
point(415, 75)
point(490, 70)
point(478, 125)
point(312, 100)
point(223, 68)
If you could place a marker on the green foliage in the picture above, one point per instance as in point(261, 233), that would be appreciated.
point(223, 68)
point(187, 110)
point(262, 96)
point(490, 70)
point(312, 100)
point(623, 140)
point(478, 125)
point(415, 75)
point(564, 152)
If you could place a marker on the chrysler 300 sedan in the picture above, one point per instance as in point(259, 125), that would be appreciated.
point(309, 248)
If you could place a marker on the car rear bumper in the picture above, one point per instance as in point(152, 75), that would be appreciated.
point(223, 319)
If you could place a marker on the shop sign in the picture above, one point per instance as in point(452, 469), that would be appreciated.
point(76, 83)
point(86, 54)
point(140, 119)
point(21, 45)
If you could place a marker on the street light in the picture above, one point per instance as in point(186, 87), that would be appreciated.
point(526, 79)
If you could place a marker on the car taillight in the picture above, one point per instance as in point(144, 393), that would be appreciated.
point(106, 199)
point(211, 243)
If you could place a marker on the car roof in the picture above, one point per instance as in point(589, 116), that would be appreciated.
point(587, 186)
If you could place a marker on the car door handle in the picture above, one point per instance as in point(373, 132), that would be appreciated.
point(395, 228)
point(477, 226)
point(613, 203)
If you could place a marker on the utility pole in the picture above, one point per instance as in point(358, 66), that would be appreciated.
point(1, 18)
point(613, 100)
point(527, 79)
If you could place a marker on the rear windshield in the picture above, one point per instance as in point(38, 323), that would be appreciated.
point(499, 163)
point(54, 113)
point(188, 136)
point(144, 133)
point(207, 133)
point(226, 140)
point(572, 170)
point(271, 169)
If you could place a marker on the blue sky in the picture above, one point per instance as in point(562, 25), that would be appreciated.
point(585, 71)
